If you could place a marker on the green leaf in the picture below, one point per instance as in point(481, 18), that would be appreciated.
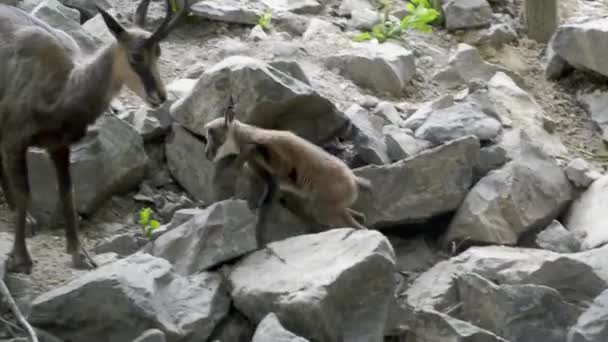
point(148, 232)
point(154, 224)
point(363, 36)
point(378, 30)
point(144, 216)
point(410, 7)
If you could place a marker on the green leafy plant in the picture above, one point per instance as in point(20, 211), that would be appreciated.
point(190, 17)
point(265, 19)
point(149, 225)
point(382, 32)
point(421, 15)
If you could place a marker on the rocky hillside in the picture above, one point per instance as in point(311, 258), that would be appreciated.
point(485, 150)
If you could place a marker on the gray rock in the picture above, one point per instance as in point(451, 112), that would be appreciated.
point(517, 108)
point(586, 216)
point(123, 244)
point(282, 223)
point(319, 29)
point(119, 301)
point(231, 11)
point(364, 19)
point(312, 295)
point(466, 14)
point(295, 6)
point(580, 173)
point(234, 328)
point(419, 117)
point(490, 158)
point(263, 95)
point(516, 312)
point(111, 151)
point(63, 18)
point(582, 44)
point(9, 2)
point(596, 104)
point(433, 326)
point(555, 66)
point(372, 149)
point(151, 335)
point(257, 34)
point(149, 123)
point(498, 35)
point(87, 8)
point(389, 113)
point(418, 188)
point(291, 68)
point(221, 232)
point(592, 325)
point(466, 64)
point(558, 239)
point(401, 144)
point(457, 121)
point(527, 193)
point(385, 68)
point(6, 246)
point(270, 329)
point(96, 27)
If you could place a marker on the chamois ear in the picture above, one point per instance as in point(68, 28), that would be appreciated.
point(115, 28)
point(229, 114)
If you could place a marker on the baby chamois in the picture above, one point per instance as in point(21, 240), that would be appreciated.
point(50, 93)
point(299, 166)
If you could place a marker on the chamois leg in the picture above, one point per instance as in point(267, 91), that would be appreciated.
point(266, 199)
point(341, 218)
point(15, 168)
point(80, 257)
point(10, 200)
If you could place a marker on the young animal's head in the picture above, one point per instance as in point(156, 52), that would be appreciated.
point(220, 135)
point(137, 51)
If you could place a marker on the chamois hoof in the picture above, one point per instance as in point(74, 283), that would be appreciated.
point(82, 261)
point(19, 264)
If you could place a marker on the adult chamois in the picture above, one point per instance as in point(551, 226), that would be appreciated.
point(50, 93)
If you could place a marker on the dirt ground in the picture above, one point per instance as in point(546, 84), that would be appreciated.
point(204, 42)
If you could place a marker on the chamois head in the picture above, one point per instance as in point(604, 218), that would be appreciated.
point(137, 53)
point(220, 135)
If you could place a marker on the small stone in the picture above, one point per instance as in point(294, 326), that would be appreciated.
point(580, 174)
point(558, 239)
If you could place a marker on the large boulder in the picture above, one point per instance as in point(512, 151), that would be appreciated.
point(121, 300)
point(385, 68)
point(310, 282)
point(221, 232)
point(430, 183)
point(583, 44)
point(263, 95)
point(231, 11)
point(525, 194)
point(270, 329)
point(592, 325)
point(110, 160)
point(586, 217)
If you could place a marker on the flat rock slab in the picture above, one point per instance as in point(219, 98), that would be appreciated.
point(270, 329)
point(430, 183)
point(310, 281)
point(121, 300)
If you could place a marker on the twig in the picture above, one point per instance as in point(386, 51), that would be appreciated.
point(15, 309)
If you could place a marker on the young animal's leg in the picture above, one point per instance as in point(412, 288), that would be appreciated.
point(80, 258)
point(341, 218)
point(292, 188)
point(270, 183)
point(15, 168)
point(10, 200)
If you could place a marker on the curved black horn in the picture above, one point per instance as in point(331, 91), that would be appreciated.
point(139, 18)
point(170, 21)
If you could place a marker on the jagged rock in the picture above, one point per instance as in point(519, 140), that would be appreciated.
point(516, 312)
point(295, 6)
point(498, 35)
point(466, 64)
point(434, 326)
point(490, 158)
point(151, 335)
point(96, 27)
point(257, 34)
point(425, 185)
point(231, 11)
point(63, 18)
point(596, 104)
point(580, 174)
point(138, 293)
point(419, 117)
point(291, 68)
point(400, 144)
point(578, 277)
point(414, 255)
point(6, 246)
point(281, 224)
point(291, 23)
point(526, 193)
point(517, 108)
point(263, 95)
point(385, 67)
point(592, 325)
point(270, 329)
point(147, 123)
point(457, 121)
point(111, 151)
point(582, 44)
point(123, 244)
point(320, 287)
point(558, 239)
point(466, 14)
point(372, 149)
point(554, 65)
point(389, 113)
point(318, 28)
point(586, 216)
point(87, 8)
point(221, 232)
point(234, 328)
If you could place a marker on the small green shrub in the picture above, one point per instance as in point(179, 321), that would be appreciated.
point(422, 14)
point(148, 224)
point(265, 19)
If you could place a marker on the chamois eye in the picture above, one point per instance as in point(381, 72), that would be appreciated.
point(137, 58)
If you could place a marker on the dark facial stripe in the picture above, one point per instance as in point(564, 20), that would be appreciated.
point(145, 74)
